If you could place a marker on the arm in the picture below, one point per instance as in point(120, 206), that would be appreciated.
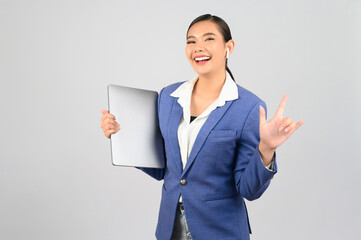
point(251, 176)
point(251, 179)
point(156, 173)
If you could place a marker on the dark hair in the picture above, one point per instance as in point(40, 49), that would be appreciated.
point(222, 27)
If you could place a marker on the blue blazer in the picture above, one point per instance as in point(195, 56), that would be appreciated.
point(223, 168)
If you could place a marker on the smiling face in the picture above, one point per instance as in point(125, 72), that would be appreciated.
point(206, 50)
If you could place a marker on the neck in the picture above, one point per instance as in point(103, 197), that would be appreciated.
point(210, 85)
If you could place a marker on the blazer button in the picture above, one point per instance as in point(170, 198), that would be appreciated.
point(183, 182)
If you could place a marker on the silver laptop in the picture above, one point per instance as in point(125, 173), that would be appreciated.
point(138, 143)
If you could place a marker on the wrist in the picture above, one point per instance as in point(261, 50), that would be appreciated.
point(266, 153)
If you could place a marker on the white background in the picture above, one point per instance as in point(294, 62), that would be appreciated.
point(57, 58)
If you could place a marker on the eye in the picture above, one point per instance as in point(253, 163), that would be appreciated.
point(190, 42)
point(209, 39)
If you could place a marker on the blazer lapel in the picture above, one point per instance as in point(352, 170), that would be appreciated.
point(175, 117)
point(210, 123)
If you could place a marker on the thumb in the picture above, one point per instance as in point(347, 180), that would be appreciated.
point(262, 115)
point(104, 111)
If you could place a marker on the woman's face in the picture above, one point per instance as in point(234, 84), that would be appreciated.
point(206, 50)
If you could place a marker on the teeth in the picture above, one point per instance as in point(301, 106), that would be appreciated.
point(202, 58)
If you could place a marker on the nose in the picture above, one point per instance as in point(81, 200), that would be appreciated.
point(199, 47)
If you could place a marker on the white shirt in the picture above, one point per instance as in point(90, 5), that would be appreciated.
point(188, 131)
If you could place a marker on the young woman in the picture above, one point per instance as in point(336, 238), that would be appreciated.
point(219, 148)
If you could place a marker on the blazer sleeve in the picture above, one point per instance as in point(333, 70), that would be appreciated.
point(157, 173)
point(251, 177)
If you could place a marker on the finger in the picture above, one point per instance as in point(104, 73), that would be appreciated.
point(106, 113)
point(110, 121)
point(286, 122)
point(113, 126)
point(299, 124)
point(262, 116)
point(295, 127)
point(290, 127)
point(109, 125)
point(107, 119)
point(108, 133)
point(281, 107)
point(107, 116)
point(105, 122)
point(104, 117)
point(112, 131)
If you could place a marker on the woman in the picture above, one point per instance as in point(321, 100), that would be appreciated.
point(219, 147)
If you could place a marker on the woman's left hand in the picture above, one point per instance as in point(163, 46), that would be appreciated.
point(275, 132)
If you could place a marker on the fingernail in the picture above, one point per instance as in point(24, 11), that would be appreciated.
point(286, 129)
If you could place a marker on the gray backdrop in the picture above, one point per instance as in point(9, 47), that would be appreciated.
point(57, 57)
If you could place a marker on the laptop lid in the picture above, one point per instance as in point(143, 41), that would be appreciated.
point(138, 143)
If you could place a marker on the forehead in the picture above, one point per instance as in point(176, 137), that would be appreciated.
point(203, 27)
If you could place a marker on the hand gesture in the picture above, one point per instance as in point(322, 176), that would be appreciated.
point(108, 123)
point(276, 131)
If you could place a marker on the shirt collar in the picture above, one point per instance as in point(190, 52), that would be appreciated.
point(229, 92)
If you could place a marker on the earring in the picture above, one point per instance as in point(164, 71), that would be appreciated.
point(227, 53)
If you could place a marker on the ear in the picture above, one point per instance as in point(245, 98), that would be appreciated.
point(230, 46)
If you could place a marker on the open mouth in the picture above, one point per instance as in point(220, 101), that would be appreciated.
point(202, 59)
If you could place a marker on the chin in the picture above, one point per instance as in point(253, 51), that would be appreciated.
point(201, 71)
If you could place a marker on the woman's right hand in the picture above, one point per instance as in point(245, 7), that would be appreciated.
point(108, 123)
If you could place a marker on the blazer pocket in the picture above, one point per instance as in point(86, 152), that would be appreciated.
point(220, 196)
point(222, 135)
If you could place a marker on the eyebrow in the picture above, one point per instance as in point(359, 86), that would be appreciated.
point(206, 34)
